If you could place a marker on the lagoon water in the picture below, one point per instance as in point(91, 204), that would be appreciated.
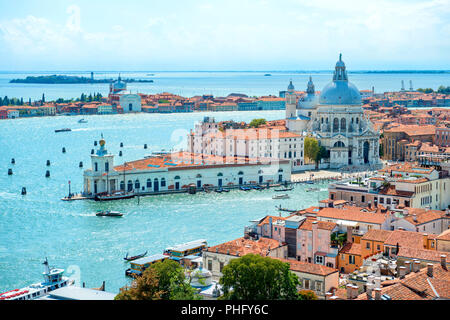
point(188, 84)
point(40, 225)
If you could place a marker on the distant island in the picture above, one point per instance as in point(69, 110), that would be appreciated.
point(61, 79)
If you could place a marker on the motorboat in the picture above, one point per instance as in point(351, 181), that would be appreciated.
point(281, 196)
point(284, 189)
point(82, 121)
point(53, 279)
point(63, 130)
point(108, 213)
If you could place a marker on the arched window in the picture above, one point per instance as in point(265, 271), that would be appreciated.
point(149, 183)
point(130, 185)
point(122, 185)
point(240, 173)
point(163, 182)
point(106, 166)
point(339, 144)
point(336, 124)
point(176, 178)
point(343, 124)
point(96, 166)
point(220, 174)
point(137, 184)
point(280, 170)
point(260, 171)
point(198, 176)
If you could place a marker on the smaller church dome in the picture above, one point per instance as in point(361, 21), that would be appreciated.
point(291, 86)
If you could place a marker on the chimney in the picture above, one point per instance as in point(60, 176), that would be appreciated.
point(369, 290)
point(401, 272)
point(349, 291)
point(430, 270)
point(408, 266)
point(416, 265)
point(414, 217)
point(443, 261)
point(425, 240)
point(371, 279)
point(349, 234)
point(354, 291)
point(377, 293)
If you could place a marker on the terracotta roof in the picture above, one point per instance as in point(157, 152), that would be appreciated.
point(444, 235)
point(418, 218)
point(185, 160)
point(352, 214)
point(310, 268)
point(274, 219)
point(408, 239)
point(324, 225)
point(240, 247)
point(351, 248)
point(423, 254)
point(376, 235)
point(416, 286)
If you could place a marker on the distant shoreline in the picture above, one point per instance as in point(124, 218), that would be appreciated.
point(225, 71)
point(64, 79)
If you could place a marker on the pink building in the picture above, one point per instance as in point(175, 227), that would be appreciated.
point(442, 137)
point(308, 239)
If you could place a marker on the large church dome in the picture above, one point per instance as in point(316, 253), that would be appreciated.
point(340, 90)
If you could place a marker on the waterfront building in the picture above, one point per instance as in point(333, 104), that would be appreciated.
point(177, 171)
point(13, 114)
point(337, 120)
point(398, 186)
point(130, 102)
point(271, 103)
point(442, 137)
point(265, 142)
point(78, 293)
point(105, 109)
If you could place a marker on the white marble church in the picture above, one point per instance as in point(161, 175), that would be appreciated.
point(336, 118)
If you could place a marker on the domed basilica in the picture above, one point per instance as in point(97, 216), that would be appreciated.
point(336, 118)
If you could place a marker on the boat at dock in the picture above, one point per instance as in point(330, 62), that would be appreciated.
point(63, 130)
point(114, 196)
point(82, 121)
point(243, 188)
point(281, 196)
point(185, 249)
point(108, 213)
point(53, 279)
point(127, 258)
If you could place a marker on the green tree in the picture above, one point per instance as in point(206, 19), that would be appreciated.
point(307, 295)
point(255, 123)
point(253, 277)
point(311, 148)
point(161, 281)
point(145, 287)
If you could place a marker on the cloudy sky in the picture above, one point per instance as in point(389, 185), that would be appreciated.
point(223, 35)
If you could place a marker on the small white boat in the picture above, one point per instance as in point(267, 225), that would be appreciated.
point(312, 189)
point(53, 279)
point(82, 121)
point(281, 196)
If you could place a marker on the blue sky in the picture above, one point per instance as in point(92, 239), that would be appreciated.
point(223, 35)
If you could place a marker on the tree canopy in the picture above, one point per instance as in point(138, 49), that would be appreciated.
point(255, 123)
point(253, 277)
point(307, 295)
point(164, 280)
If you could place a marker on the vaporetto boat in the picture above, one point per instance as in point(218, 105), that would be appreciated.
point(53, 279)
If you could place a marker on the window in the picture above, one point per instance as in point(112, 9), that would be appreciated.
point(106, 166)
point(210, 265)
point(319, 259)
point(351, 259)
point(96, 166)
point(163, 182)
point(149, 183)
point(306, 283)
point(368, 245)
point(137, 184)
point(220, 266)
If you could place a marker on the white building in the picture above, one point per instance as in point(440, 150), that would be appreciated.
point(177, 171)
point(274, 142)
point(130, 102)
point(337, 120)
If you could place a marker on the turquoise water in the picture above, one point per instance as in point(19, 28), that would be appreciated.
point(40, 225)
point(217, 83)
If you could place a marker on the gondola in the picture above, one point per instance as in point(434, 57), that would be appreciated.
point(244, 188)
point(127, 258)
point(218, 190)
